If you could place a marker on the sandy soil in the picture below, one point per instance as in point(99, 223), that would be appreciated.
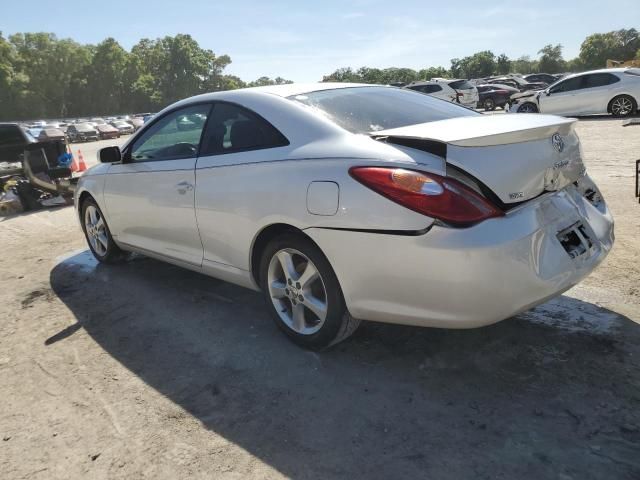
point(148, 371)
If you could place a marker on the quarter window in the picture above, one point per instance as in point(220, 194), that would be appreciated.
point(174, 136)
point(232, 128)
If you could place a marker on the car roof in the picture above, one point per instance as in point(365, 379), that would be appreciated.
point(290, 89)
point(601, 70)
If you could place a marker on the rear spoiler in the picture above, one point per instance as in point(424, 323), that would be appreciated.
point(433, 147)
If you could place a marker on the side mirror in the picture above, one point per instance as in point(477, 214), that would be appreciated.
point(547, 92)
point(110, 155)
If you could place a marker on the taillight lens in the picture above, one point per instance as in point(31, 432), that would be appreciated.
point(438, 197)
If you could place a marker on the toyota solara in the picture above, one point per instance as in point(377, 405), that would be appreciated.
point(344, 202)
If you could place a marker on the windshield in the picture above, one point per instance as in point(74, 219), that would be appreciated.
point(83, 127)
point(370, 109)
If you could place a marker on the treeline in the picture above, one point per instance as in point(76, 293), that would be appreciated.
point(595, 50)
point(42, 76)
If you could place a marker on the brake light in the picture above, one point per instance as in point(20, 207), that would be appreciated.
point(433, 195)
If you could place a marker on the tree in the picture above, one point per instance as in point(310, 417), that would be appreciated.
point(478, 65)
point(551, 60)
point(503, 64)
point(617, 45)
point(524, 65)
point(262, 81)
point(432, 72)
point(105, 78)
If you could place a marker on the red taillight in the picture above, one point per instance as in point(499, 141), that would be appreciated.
point(439, 197)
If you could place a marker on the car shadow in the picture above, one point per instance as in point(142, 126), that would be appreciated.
point(553, 393)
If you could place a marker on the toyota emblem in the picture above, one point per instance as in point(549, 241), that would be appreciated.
point(558, 142)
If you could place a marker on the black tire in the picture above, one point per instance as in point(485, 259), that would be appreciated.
point(528, 107)
point(338, 324)
point(625, 99)
point(113, 253)
point(489, 104)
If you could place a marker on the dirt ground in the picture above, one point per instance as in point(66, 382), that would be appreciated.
point(147, 371)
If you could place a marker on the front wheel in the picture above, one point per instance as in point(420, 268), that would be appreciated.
point(528, 108)
point(622, 106)
point(303, 294)
point(489, 104)
point(97, 233)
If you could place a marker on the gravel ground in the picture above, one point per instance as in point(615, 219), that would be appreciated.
point(147, 371)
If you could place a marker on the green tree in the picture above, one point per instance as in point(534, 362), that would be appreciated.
point(551, 60)
point(105, 78)
point(524, 65)
point(619, 45)
point(503, 65)
point(433, 72)
point(478, 65)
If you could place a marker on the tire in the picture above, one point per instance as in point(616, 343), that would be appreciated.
point(312, 314)
point(622, 106)
point(528, 107)
point(101, 243)
point(489, 104)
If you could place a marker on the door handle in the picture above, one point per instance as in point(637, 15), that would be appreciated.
point(184, 187)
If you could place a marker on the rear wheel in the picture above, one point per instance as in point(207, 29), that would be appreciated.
point(98, 236)
point(528, 108)
point(489, 104)
point(303, 294)
point(622, 106)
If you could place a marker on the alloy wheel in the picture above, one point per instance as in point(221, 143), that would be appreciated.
point(621, 106)
point(297, 291)
point(96, 231)
point(527, 108)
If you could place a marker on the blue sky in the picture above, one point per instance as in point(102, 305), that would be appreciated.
point(302, 40)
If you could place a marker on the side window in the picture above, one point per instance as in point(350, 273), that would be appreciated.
point(232, 128)
point(568, 85)
point(599, 80)
point(174, 136)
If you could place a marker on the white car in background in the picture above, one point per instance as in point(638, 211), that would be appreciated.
point(343, 202)
point(614, 91)
point(456, 90)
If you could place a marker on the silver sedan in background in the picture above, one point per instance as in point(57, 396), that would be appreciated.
point(344, 202)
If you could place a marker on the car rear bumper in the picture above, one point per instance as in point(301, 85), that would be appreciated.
point(464, 278)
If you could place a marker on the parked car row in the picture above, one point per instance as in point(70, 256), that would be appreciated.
point(84, 130)
point(614, 91)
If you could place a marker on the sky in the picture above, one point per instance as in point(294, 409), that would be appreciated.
point(303, 40)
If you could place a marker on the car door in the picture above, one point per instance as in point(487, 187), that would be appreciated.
point(595, 93)
point(150, 196)
point(561, 99)
point(235, 145)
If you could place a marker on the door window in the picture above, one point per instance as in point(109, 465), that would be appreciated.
point(568, 85)
point(599, 80)
point(232, 128)
point(174, 136)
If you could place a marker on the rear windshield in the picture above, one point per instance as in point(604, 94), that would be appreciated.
point(83, 127)
point(371, 109)
point(461, 85)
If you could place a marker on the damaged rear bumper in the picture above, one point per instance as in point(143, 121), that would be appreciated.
point(463, 278)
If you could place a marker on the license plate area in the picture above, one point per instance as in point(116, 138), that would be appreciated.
point(575, 240)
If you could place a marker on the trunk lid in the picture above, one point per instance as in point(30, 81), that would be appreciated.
point(517, 157)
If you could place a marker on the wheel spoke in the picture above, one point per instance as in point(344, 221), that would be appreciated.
point(92, 215)
point(278, 289)
point(100, 224)
point(297, 314)
point(102, 238)
point(318, 307)
point(309, 275)
point(286, 262)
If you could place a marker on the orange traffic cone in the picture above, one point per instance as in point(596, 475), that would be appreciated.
point(74, 164)
point(81, 165)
